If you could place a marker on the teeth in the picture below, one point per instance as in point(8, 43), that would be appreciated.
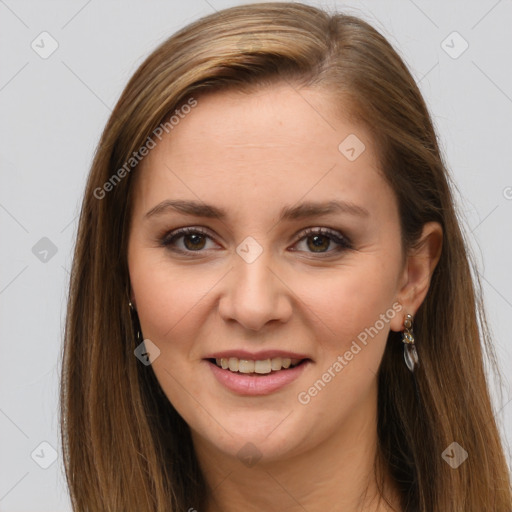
point(245, 366)
point(276, 363)
point(262, 366)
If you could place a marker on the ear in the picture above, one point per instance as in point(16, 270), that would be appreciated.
point(419, 266)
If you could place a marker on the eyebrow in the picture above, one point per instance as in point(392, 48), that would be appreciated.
point(301, 211)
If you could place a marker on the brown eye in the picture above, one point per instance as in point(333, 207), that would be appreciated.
point(319, 240)
point(194, 240)
point(318, 243)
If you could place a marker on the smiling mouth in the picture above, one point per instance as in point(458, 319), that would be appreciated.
point(257, 367)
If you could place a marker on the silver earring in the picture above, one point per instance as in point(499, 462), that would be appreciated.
point(135, 323)
point(410, 353)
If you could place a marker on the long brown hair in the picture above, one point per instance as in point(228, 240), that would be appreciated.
point(125, 447)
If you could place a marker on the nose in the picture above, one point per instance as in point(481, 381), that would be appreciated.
point(255, 295)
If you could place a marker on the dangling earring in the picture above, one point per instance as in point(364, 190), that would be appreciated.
point(410, 354)
point(135, 323)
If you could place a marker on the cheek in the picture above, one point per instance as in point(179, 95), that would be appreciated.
point(337, 306)
point(348, 303)
point(167, 298)
point(353, 312)
point(169, 304)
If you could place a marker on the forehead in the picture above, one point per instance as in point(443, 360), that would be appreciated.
point(241, 149)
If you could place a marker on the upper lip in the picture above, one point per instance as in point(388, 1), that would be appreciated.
point(256, 356)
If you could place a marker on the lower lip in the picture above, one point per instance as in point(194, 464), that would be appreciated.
point(253, 385)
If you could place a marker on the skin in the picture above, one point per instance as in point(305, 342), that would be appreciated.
point(253, 154)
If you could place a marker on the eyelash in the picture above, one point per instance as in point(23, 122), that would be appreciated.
point(344, 243)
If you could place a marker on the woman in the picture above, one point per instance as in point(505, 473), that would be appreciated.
point(271, 304)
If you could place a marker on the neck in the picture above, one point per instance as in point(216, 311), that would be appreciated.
point(340, 470)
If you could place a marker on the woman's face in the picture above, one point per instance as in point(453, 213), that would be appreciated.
point(267, 274)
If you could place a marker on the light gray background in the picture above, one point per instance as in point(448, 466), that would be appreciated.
point(53, 111)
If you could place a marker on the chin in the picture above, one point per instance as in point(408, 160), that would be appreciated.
point(263, 435)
